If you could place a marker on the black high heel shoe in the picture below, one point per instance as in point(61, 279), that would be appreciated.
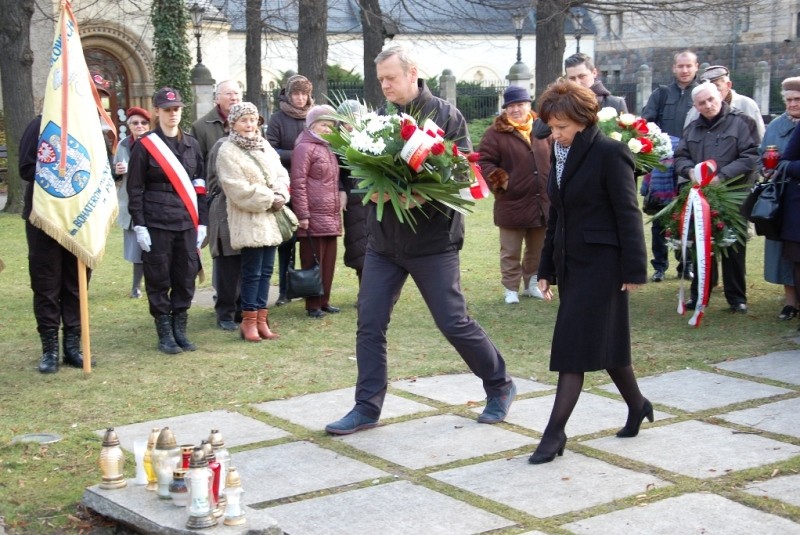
point(631, 429)
point(541, 457)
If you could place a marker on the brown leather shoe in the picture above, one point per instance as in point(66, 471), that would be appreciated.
point(248, 330)
point(262, 325)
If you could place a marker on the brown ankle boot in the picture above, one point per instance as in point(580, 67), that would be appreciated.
point(263, 325)
point(247, 329)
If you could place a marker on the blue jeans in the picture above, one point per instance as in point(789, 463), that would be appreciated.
point(257, 263)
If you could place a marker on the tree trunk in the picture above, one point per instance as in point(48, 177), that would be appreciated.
point(550, 44)
point(252, 50)
point(312, 45)
point(16, 70)
point(372, 32)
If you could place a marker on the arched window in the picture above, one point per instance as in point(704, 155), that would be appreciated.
point(110, 68)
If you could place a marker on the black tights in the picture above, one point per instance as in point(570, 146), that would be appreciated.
point(569, 390)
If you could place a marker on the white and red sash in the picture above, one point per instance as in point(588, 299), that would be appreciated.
point(697, 207)
point(177, 175)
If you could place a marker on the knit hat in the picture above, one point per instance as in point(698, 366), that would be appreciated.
point(298, 83)
point(319, 113)
point(135, 110)
point(514, 93)
point(713, 72)
point(240, 109)
point(791, 84)
point(351, 107)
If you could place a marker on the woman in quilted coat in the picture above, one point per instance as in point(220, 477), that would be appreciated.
point(317, 204)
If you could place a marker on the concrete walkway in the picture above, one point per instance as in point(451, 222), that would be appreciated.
point(721, 458)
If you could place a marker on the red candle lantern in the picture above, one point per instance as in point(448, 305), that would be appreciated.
point(770, 157)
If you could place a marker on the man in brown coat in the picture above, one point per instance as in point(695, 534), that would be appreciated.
point(516, 165)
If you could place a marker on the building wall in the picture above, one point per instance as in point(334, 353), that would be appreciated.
point(740, 39)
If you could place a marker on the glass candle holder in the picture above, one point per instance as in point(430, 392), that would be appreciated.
point(112, 462)
point(139, 449)
point(166, 459)
point(234, 515)
point(199, 480)
point(152, 480)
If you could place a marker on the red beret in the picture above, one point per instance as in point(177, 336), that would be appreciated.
point(135, 110)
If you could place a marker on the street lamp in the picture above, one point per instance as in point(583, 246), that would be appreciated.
point(577, 21)
point(197, 20)
point(519, 21)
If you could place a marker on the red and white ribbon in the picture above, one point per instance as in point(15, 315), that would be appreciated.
point(696, 208)
point(478, 189)
point(175, 172)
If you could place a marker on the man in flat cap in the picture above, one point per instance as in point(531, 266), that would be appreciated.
point(719, 75)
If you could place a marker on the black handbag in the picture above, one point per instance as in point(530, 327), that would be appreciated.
point(763, 206)
point(301, 283)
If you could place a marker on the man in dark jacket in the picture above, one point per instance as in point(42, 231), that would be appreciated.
point(730, 138)
point(53, 271)
point(430, 256)
point(667, 107)
point(580, 69)
point(227, 262)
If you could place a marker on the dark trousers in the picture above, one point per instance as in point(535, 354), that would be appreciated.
point(227, 278)
point(439, 281)
point(285, 251)
point(54, 281)
point(734, 284)
point(660, 261)
point(257, 264)
point(170, 269)
point(325, 248)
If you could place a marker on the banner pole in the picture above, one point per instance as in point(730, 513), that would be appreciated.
point(84, 303)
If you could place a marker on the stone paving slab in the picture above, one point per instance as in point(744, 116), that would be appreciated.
point(569, 483)
point(784, 488)
point(236, 429)
point(697, 513)
point(780, 417)
point(697, 449)
point(460, 389)
point(593, 413)
point(781, 366)
point(296, 468)
point(694, 390)
point(315, 411)
point(435, 440)
point(137, 507)
point(398, 508)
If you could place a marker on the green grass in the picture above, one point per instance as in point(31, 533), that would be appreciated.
point(41, 486)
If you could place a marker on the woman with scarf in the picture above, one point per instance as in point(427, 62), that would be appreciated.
point(256, 187)
point(595, 249)
point(283, 129)
point(516, 166)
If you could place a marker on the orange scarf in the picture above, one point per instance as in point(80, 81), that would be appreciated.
point(523, 128)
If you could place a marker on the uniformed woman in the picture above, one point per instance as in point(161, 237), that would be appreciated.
point(166, 187)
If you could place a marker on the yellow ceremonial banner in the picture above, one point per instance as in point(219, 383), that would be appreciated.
point(74, 198)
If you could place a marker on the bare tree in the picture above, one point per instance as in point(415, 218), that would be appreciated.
point(312, 45)
point(550, 44)
point(373, 33)
point(252, 50)
point(16, 71)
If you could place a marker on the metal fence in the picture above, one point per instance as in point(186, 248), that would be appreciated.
point(476, 100)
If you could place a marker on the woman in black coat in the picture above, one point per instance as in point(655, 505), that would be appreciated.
point(595, 249)
point(790, 227)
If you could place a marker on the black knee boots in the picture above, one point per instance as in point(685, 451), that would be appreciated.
point(166, 340)
point(179, 322)
point(48, 363)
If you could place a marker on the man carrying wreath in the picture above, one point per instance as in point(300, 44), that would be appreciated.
point(730, 138)
point(430, 255)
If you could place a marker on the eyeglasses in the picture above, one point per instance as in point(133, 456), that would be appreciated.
point(140, 123)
